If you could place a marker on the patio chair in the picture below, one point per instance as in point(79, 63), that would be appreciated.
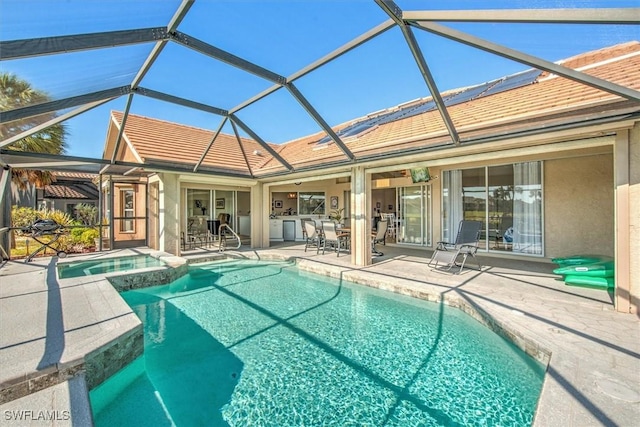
point(333, 238)
point(312, 235)
point(304, 230)
point(199, 233)
point(186, 242)
point(224, 218)
point(379, 236)
point(506, 231)
point(466, 244)
point(391, 227)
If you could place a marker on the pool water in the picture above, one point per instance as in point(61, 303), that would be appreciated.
point(252, 343)
point(106, 265)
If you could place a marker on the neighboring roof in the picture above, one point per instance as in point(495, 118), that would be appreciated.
point(72, 185)
point(547, 100)
point(73, 175)
point(61, 191)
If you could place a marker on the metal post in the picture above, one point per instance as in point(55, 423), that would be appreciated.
point(100, 213)
point(147, 210)
point(111, 204)
point(5, 211)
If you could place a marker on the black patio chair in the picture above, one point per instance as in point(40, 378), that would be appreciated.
point(465, 245)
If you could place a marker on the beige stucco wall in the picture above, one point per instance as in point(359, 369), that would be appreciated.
point(579, 206)
point(634, 220)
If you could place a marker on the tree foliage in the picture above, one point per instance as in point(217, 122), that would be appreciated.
point(86, 213)
point(17, 93)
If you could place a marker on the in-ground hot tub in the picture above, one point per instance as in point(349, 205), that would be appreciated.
point(106, 265)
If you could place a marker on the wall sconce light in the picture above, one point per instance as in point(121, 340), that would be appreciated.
point(292, 196)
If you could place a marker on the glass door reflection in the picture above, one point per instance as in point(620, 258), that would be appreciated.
point(415, 212)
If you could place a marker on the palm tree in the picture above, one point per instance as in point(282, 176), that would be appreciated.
point(18, 93)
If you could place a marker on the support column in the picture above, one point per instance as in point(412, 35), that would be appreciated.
point(634, 218)
point(100, 213)
point(112, 203)
point(621, 162)
point(360, 218)
point(5, 211)
point(169, 215)
point(258, 215)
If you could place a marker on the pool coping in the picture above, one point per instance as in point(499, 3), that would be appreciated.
point(116, 336)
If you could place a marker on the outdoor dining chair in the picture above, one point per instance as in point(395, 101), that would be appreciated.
point(333, 238)
point(312, 236)
point(379, 236)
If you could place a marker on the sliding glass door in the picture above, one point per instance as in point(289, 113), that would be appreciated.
point(507, 199)
point(211, 206)
point(415, 214)
point(464, 198)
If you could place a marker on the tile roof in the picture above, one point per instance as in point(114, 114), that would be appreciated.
point(163, 141)
point(61, 191)
point(73, 175)
point(546, 99)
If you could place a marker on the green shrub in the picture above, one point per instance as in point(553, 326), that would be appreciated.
point(21, 216)
point(76, 241)
point(62, 218)
point(76, 234)
point(89, 236)
point(87, 214)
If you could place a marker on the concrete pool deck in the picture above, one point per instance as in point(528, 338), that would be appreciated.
point(593, 376)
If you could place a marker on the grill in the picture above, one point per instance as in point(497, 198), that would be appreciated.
point(41, 228)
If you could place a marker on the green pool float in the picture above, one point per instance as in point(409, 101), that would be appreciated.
point(598, 269)
point(580, 259)
point(590, 281)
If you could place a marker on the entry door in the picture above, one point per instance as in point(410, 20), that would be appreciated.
point(415, 215)
point(129, 215)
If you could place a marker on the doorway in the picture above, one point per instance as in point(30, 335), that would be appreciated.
point(243, 211)
point(415, 215)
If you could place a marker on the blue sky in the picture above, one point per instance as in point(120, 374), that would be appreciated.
point(282, 36)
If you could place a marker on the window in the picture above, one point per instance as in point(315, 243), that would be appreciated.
point(506, 198)
point(311, 203)
point(127, 210)
point(71, 210)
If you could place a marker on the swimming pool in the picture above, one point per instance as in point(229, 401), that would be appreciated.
point(254, 343)
point(106, 265)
